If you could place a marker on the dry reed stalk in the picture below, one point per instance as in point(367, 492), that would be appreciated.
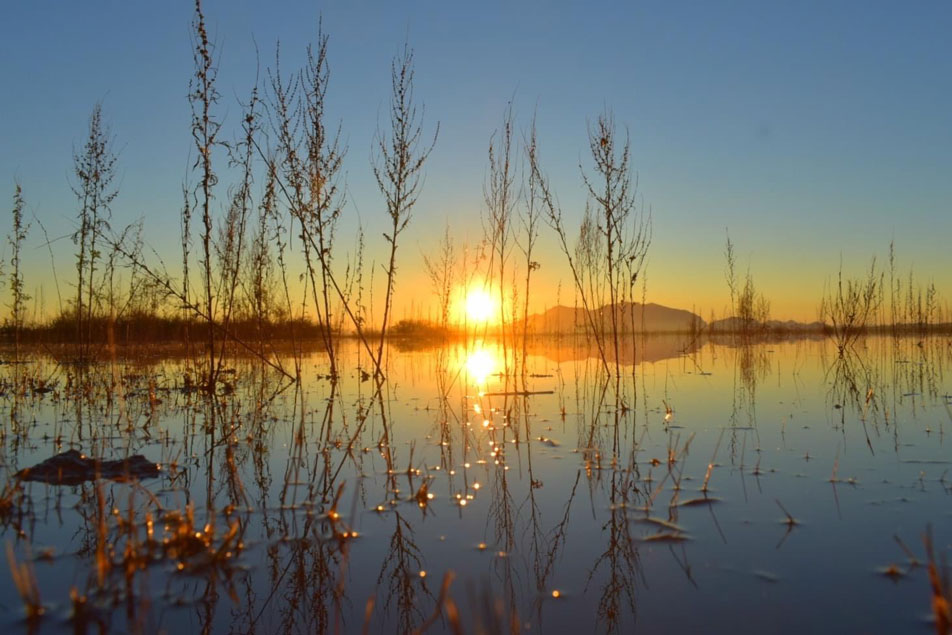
point(398, 169)
point(95, 170)
point(941, 590)
point(203, 96)
point(17, 235)
point(24, 579)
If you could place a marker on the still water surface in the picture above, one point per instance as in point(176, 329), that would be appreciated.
point(560, 500)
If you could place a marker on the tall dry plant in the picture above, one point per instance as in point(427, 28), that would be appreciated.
point(730, 271)
point(231, 244)
point(94, 168)
point(203, 97)
point(530, 216)
point(441, 269)
point(750, 308)
point(397, 160)
point(325, 154)
point(260, 293)
point(501, 194)
point(556, 220)
point(849, 306)
point(609, 255)
point(188, 206)
point(18, 295)
point(753, 307)
point(285, 169)
point(893, 289)
point(623, 230)
point(311, 158)
point(273, 228)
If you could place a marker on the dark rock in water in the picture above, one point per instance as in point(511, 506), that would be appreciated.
point(73, 467)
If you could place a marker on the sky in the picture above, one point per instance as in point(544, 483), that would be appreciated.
point(814, 132)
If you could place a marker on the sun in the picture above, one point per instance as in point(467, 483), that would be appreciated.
point(480, 307)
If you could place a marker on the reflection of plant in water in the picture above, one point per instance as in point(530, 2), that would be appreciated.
point(312, 580)
point(313, 583)
point(591, 399)
point(15, 506)
point(854, 385)
point(887, 375)
point(125, 545)
point(544, 549)
point(502, 513)
point(606, 411)
point(620, 557)
point(405, 575)
point(751, 365)
point(918, 368)
point(332, 431)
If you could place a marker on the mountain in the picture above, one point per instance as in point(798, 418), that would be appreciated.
point(630, 317)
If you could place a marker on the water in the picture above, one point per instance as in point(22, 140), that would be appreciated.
point(581, 507)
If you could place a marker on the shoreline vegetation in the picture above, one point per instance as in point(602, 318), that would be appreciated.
point(151, 329)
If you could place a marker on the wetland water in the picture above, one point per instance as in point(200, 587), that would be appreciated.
point(581, 508)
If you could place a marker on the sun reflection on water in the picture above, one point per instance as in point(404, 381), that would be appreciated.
point(480, 364)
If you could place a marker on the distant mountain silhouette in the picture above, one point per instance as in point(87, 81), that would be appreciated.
point(654, 318)
point(630, 317)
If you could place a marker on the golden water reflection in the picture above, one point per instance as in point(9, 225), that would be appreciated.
point(481, 363)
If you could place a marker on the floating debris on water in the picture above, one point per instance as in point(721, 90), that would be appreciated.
point(697, 502)
point(666, 536)
point(73, 467)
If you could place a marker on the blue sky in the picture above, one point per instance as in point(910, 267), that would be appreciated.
point(815, 131)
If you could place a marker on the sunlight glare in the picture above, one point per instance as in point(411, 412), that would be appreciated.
point(480, 364)
point(479, 305)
